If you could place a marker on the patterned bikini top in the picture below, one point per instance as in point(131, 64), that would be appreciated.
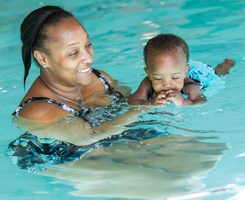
point(93, 117)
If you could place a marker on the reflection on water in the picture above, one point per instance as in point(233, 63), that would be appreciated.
point(145, 161)
point(168, 165)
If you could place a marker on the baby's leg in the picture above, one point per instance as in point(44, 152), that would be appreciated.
point(224, 67)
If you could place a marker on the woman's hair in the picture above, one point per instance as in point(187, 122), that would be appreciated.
point(166, 42)
point(34, 31)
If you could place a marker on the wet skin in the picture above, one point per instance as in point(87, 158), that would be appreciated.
point(68, 68)
point(68, 61)
point(166, 77)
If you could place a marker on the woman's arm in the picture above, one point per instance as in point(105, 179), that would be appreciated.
point(73, 129)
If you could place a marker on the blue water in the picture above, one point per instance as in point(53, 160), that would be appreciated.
point(203, 149)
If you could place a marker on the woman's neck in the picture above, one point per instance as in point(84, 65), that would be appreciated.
point(69, 92)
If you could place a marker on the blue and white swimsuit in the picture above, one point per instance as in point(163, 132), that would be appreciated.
point(202, 73)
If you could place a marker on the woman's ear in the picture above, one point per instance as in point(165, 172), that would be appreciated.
point(187, 69)
point(41, 58)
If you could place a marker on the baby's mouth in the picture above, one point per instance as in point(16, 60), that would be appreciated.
point(166, 89)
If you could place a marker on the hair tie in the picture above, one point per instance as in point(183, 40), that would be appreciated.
point(39, 26)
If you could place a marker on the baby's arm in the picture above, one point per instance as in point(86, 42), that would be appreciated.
point(195, 96)
point(140, 97)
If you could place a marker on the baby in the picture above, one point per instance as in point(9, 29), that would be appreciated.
point(167, 65)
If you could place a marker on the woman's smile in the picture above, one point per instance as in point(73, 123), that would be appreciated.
point(86, 71)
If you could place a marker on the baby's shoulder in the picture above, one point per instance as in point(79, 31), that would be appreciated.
point(191, 86)
point(143, 90)
point(188, 80)
point(146, 81)
point(146, 84)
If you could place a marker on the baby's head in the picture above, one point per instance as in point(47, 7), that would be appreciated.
point(166, 57)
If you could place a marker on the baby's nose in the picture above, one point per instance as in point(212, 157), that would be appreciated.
point(166, 82)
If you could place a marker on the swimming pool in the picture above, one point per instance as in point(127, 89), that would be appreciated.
point(202, 149)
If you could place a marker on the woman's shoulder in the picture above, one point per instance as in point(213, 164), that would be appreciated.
point(38, 105)
point(107, 76)
point(41, 111)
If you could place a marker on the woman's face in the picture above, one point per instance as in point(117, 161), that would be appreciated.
point(71, 54)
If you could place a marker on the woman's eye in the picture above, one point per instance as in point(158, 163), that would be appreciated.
point(88, 45)
point(73, 54)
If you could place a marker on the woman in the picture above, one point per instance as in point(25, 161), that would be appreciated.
point(62, 126)
point(61, 47)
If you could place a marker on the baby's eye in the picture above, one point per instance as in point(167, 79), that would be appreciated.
point(157, 79)
point(73, 54)
point(175, 78)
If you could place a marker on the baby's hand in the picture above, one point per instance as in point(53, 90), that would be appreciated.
point(159, 99)
point(175, 96)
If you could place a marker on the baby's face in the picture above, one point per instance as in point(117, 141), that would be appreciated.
point(166, 70)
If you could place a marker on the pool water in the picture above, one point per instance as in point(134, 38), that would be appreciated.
point(200, 154)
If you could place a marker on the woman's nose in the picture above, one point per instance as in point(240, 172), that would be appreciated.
point(87, 56)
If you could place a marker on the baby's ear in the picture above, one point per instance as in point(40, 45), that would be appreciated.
point(146, 71)
point(187, 69)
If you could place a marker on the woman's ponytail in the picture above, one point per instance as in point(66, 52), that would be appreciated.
point(26, 57)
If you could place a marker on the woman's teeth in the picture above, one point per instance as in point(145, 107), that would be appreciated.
point(84, 70)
